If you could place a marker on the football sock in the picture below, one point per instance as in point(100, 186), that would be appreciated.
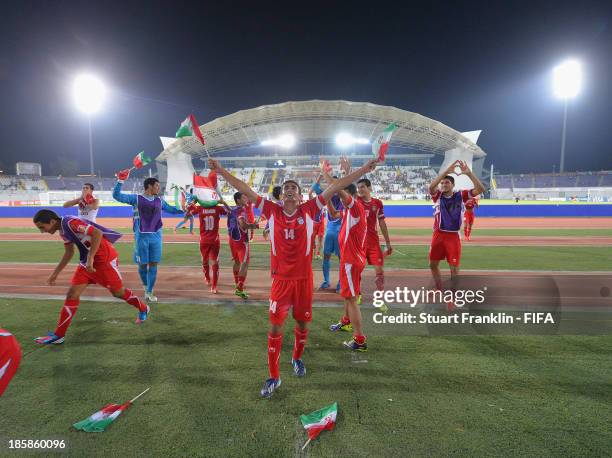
point(151, 278)
point(66, 315)
point(143, 270)
point(380, 281)
point(326, 265)
point(275, 344)
point(360, 339)
point(215, 275)
point(134, 301)
point(300, 341)
point(205, 269)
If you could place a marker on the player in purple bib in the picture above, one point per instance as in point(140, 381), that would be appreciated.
point(448, 215)
point(147, 226)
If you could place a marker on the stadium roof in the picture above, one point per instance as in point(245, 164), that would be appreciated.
point(319, 121)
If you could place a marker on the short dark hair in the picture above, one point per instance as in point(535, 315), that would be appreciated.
point(45, 216)
point(276, 192)
point(150, 182)
point(351, 189)
point(449, 178)
point(237, 196)
point(294, 182)
point(367, 182)
point(90, 185)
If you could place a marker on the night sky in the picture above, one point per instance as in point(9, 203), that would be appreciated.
point(469, 65)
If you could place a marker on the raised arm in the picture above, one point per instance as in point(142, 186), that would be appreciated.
point(236, 183)
point(170, 208)
point(72, 203)
point(343, 182)
point(122, 197)
point(478, 186)
point(433, 186)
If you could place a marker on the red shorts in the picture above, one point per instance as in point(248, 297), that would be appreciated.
point(240, 251)
point(107, 275)
point(210, 251)
point(374, 254)
point(10, 357)
point(445, 245)
point(468, 218)
point(319, 229)
point(285, 294)
point(350, 279)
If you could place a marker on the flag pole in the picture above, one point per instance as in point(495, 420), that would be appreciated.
point(140, 395)
point(307, 442)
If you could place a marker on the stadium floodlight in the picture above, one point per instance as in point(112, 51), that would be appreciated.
point(567, 81)
point(284, 141)
point(89, 93)
point(344, 140)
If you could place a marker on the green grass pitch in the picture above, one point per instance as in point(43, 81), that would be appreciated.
point(419, 396)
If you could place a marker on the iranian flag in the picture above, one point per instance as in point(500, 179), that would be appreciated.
point(381, 144)
point(204, 189)
point(98, 422)
point(319, 420)
point(189, 127)
point(140, 160)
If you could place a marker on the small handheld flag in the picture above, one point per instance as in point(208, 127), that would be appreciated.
point(381, 144)
point(98, 422)
point(140, 160)
point(316, 422)
point(189, 127)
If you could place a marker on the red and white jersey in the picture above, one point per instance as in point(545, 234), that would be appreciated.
point(209, 223)
point(83, 230)
point(471, 204)
point(248, 215)
point(374, 212)
point(291, 237)
point(353, 233)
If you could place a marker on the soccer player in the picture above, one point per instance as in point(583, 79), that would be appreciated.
point(10, 357)
point(147, 226)
point(468, 218)
point(210, 243)
point(330, 244)
point(448, 214)
point(241, 221)
point(188, 217)
point(291, 228)
point(88, 205)
point(98, 263)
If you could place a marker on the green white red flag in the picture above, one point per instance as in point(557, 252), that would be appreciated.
point(140, 160)
point(98, 422)
point(320, 420)
point(189, 127)
point(381, 144)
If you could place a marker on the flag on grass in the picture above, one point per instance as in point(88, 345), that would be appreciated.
point(189, 127)
point(98, 422)
point(140, 160)
point(320, 420)
point(381, 144)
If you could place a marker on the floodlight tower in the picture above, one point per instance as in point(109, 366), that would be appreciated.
point(567, 80)
point(89, 93)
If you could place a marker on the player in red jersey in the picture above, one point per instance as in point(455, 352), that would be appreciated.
point(468, 217)
point(210, 243)
point(98, 263)
point(291, 228)
point(448, 215)
point(10, 357)
point(240, 235)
